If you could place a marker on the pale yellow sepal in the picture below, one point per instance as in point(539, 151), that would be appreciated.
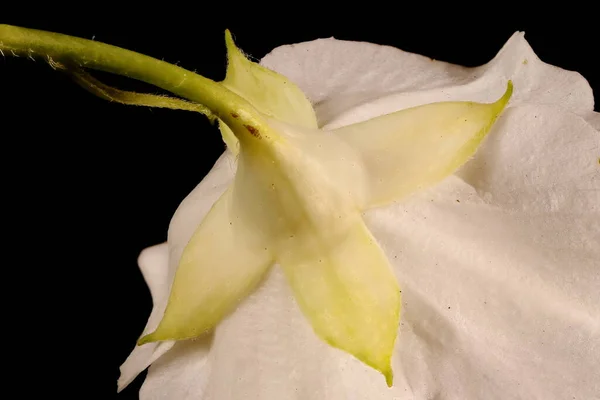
point(269, 92)
point(348, 292)
point(412, 149)
point(229, 138)
point(222, 263)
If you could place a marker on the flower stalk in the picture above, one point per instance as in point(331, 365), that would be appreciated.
point(75, 53)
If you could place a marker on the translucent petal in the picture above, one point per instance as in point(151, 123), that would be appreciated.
point(414, 148)
point(356, 81)
point(219, 266)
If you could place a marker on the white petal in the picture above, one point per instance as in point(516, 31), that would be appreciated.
point(539, 158)
point(181, 374)
point(154, 263)
point(498, 304)
point(355, 81)
point(159, 263)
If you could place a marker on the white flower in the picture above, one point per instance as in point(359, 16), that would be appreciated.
point(497, 264)
point(310, 199)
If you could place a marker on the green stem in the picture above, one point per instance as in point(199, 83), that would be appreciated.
point(226, 105)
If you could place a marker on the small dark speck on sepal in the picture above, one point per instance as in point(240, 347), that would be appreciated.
point(253, 131)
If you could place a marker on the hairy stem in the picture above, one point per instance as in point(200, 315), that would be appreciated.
point(72, 52)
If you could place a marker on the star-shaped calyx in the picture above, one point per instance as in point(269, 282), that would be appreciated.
point(298, 193)
point(297, 200)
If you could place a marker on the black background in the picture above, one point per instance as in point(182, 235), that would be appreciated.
point(88, 184)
